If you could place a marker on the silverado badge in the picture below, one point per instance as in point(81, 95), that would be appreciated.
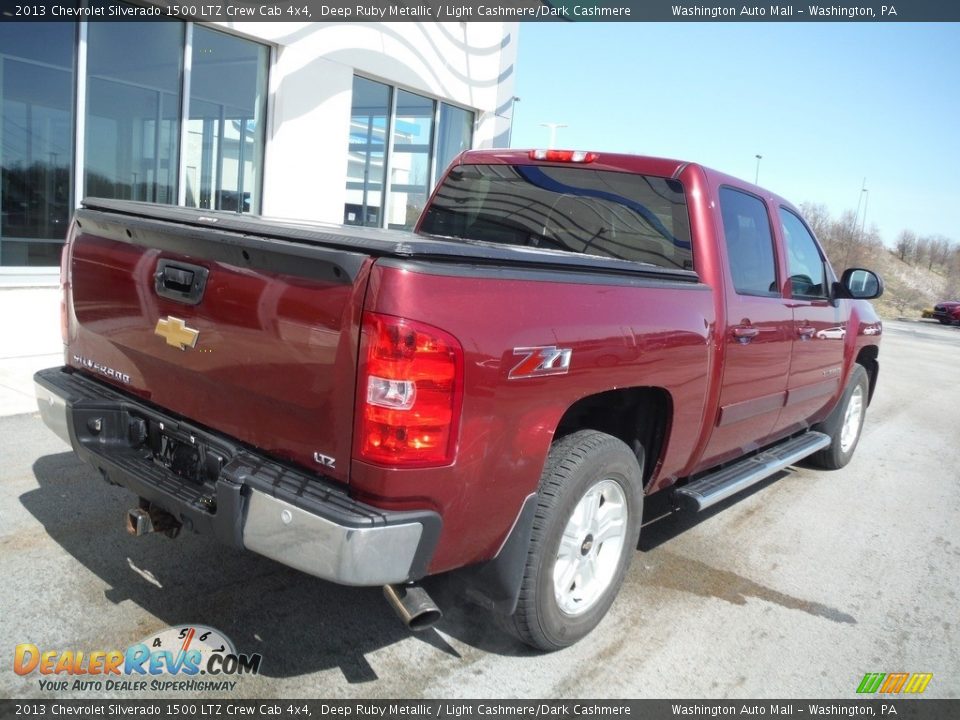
point(176, 333)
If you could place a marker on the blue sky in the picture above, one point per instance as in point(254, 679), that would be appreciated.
point(825, 104)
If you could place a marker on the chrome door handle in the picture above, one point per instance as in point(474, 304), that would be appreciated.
point(745, 333)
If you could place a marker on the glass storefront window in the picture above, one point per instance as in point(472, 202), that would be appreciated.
point(133, 110)
point(132, 94)
point(366, 168)
point(225, 130)
point(454, 136)
point(420, 148)
point(131, 130)
point(36, 140)
point(410, 159)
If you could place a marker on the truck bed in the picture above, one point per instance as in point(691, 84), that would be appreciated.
point(373, 241)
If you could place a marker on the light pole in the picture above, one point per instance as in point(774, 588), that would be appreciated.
point(756, 175)
point(856, 215)
point(866, 198)
point(553, 127)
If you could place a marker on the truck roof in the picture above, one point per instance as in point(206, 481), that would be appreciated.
point(616, 162)
point(619, 162)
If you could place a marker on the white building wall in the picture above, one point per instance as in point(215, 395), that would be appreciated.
point(311, 78)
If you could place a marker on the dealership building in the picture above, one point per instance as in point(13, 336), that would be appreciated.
point(341, 122)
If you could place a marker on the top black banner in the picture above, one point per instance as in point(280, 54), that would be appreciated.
point(478, 11)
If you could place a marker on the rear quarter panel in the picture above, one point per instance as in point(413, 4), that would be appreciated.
point(622, 334)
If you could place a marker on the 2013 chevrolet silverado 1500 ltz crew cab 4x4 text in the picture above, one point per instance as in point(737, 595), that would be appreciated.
point(564, 333)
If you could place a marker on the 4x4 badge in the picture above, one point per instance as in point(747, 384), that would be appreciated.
point(176, 333)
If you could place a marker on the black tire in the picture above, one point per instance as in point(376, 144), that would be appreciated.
point(838, 454)
point(585, 462)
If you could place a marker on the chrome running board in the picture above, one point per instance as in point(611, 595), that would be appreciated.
point(717, 486)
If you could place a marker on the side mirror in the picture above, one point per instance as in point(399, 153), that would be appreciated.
point(861, 284)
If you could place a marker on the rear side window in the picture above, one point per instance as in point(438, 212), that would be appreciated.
point(804, 262)
point(577, 209)
point(746, 227)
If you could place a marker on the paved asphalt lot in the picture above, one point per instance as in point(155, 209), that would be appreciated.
point(794, 590)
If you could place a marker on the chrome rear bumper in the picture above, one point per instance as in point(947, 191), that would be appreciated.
point(319, 546)
point(254, 502)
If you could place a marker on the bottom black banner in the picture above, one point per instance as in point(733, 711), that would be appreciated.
point(455, 709)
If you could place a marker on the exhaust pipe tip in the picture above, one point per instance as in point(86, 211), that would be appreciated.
point(413, 606)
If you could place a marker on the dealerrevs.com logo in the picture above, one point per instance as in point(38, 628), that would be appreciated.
point(177, 659)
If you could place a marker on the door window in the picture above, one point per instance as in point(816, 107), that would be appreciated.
point(804, 261)
point(746, 227)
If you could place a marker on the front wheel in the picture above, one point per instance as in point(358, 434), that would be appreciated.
point(845, 423)
point(585, 531)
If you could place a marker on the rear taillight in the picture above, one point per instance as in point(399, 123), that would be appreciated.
point(572, 156)
point(411, 390)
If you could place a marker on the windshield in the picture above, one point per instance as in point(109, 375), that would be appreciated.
point(577, 209)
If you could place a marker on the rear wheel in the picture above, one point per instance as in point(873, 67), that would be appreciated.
point(585, 532)
point(845, 423)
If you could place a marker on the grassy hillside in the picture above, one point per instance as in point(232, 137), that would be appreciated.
point(909, 288)
point(920, 272)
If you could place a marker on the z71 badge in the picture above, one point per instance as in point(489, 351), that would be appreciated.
point(540, 361)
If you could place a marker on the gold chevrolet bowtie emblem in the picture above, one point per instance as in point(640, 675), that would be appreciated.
point(176, 333)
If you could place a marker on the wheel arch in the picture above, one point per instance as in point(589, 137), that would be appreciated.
point(639, 416)
point(867, 357)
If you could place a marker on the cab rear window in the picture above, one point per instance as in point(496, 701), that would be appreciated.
point(577, 209)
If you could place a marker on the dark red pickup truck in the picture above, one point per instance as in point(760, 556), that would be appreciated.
point(565, 333)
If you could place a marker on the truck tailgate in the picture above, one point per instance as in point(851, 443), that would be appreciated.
point(254, 337)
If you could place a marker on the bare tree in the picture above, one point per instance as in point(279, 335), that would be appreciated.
point(846, 242)
point(921, 250)
point(818, 218)
point(907, 298)
point(939, 250)
point(906, 241)
point(952, 288)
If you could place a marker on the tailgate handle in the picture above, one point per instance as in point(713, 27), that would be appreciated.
point(180, 281)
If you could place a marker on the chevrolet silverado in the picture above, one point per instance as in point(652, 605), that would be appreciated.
point(564, 334)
